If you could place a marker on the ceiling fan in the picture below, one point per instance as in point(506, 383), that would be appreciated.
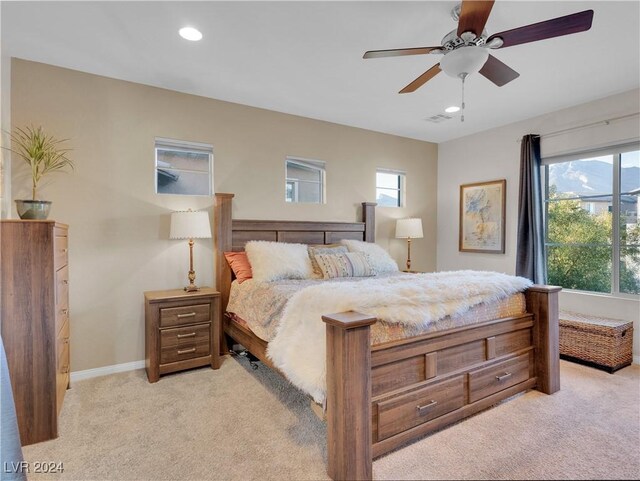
point(466, 49)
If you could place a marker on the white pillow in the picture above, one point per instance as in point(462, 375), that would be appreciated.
point(380, 259)
point(271, 261)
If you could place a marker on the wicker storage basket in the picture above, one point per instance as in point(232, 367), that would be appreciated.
point(596, 341)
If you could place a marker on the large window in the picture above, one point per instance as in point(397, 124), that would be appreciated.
point(305, 181)
point(183, 167)
point(592, 234)
point(390, 188)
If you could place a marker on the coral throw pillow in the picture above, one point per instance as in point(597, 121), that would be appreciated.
point(240, 265)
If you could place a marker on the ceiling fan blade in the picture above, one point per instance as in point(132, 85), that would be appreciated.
point(397, 52)
point(423, 79)
point(473, 16)
point(556, 27)
point(498, 72)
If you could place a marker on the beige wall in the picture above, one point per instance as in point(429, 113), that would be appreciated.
point(495, 154)
point(119, 226)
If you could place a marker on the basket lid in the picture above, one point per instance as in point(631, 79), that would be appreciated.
point(590, 323)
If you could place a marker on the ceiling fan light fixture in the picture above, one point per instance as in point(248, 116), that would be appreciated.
point(464, 61)
point(190, 33)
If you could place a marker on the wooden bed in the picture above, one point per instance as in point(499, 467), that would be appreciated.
point(381, 397)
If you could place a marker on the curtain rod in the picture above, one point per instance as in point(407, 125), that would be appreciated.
point(592, 124)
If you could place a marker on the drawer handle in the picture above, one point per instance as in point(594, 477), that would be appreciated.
point(64, 311)
point(64, 251)
point(182, 316)
point(504, 376)
point(65, 340)
point(187, 351)
point(65, 281)
point(424, 409)
point(182, 336)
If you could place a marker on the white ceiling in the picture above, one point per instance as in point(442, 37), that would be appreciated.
point(305, 58)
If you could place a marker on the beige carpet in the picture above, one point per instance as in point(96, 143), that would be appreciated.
point(236, 423)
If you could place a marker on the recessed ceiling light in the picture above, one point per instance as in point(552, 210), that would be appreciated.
point(190, 33)
point(452, 109)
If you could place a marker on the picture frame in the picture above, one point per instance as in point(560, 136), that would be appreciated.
point(482, 217)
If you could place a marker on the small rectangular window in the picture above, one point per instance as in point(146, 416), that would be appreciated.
point(390, 188)
point(184, 168)
point(305, 181)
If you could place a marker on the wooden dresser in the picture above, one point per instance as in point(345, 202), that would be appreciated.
point(182, 330)
point(34, 312)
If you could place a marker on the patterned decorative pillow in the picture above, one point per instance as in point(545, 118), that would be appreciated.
point(271, 261)
point(239, 264)
point(349, 264)
point(324, 249)
point(380, 259)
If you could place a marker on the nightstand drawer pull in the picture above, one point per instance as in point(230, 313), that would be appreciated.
point(182, 316)
point(424, 409)
point(506, 375)
point(182, 336)
point(187, 351)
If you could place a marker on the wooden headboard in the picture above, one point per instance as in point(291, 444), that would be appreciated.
point(232, 235)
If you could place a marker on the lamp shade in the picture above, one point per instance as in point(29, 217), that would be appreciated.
point(409, 228)
point(190, 225)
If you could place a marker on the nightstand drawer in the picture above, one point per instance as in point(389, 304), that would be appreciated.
point(184, 343)
point(490, 380)
point(177, 316)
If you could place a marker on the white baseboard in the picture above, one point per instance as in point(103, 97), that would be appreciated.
point(104, 371)
point(132, 366)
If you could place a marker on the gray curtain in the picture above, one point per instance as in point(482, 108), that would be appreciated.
point(530, 254)
point(10, 450)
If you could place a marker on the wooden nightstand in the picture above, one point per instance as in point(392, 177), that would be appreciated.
point(182, 330)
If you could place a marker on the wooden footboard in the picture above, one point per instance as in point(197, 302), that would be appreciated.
point(383, 397)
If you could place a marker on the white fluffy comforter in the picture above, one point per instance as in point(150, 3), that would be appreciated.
point(299, 346)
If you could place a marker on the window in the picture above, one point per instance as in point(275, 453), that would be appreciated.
point(305, 181)
point(592, 231)
point(390, 188)
point(183, 167)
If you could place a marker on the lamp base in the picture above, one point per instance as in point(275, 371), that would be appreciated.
point(192, 275)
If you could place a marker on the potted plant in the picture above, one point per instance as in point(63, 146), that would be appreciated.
point(44, 155)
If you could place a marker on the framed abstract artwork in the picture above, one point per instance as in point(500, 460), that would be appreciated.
point(482, 214)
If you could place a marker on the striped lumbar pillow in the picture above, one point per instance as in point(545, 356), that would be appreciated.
point(349, 264)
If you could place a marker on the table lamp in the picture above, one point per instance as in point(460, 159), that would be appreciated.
point(409, 229)
point(190, 225)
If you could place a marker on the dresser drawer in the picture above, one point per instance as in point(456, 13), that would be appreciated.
point(184, 343)
point(62, 364)
point(62, 288)
point(490, 380)
point(176, 316)
point(62, 341)
point(409, 410)
point(60, 249)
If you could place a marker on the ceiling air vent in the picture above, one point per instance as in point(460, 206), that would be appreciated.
point(436, 119)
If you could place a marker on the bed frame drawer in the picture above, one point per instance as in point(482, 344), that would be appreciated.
point(495, 378)
point(176, 316)
point(184, 343)
point(408, 410)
